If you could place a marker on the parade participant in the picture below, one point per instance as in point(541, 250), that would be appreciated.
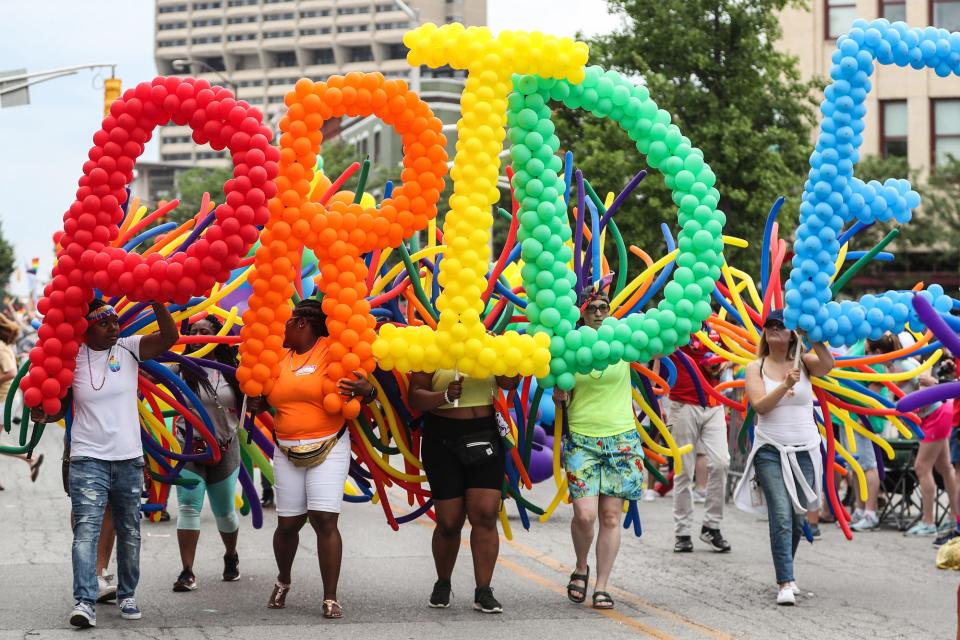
point(312, 457)
point(106, 458)
point(8, 371)
point(603, 460)
point(705, 428)
point(221, 398)
point(464, 460)
point(784, 468)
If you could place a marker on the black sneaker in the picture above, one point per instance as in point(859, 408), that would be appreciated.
point(945, 538)
point(484, 601)
point(231, 568)
point(714, 538)
point(683, 545)
point(267, 500)
point(440, 598)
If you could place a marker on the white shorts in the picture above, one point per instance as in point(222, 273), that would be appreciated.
point(318, 488)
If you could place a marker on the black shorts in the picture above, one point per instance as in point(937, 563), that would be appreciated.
point(448, 477)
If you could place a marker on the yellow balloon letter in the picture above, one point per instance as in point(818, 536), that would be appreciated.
point(460, 340)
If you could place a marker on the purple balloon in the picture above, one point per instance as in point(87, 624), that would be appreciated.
point(928, 396)
point(936, 324)
point(541, 464)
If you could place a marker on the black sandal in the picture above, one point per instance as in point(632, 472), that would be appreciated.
point(575, 593)
point(602, 600)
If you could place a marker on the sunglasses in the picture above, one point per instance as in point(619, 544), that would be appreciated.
point(603, 307)
point(775, 325)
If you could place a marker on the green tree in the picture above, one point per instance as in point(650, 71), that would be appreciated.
point(192, 184)
point(714, 66)
point(7, 261)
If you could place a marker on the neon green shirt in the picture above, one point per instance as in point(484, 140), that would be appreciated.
point(602, 402)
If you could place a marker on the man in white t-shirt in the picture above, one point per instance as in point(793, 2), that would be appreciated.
point(106, 457)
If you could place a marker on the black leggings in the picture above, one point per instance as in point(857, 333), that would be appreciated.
point(448, 477)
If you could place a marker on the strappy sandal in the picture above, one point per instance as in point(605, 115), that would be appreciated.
point(575, 593)
point(278, 599)
point(602, 600)
point(332, 609)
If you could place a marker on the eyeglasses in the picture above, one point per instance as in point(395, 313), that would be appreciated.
point(603, 307)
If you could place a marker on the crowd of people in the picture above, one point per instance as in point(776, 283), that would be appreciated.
point(462, 453)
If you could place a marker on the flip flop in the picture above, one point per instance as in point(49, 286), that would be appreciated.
point(576, 593)
point(35, 468)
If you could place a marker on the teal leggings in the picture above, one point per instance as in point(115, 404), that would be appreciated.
point(190, 500)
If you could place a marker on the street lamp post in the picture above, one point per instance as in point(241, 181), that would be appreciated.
point(183, 63)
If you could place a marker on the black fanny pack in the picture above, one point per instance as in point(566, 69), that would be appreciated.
point(476, 449)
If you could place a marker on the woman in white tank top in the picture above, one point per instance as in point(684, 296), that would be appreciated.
point(784, 469)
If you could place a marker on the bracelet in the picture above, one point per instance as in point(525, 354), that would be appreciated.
point(446, 398)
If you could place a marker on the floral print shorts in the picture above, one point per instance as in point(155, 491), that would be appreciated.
point(610, 466)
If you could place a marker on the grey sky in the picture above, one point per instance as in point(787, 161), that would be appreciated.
point(45, 143)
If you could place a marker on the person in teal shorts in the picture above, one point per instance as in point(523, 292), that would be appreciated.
point(603, 460)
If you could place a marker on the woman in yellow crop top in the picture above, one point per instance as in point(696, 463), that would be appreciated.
point(315, 492)
point(464, 462)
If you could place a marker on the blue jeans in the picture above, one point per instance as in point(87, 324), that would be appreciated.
point(785, 524)
point(94, 483)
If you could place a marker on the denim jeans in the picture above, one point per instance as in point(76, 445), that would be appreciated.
point(785, 524)
point(93, 484)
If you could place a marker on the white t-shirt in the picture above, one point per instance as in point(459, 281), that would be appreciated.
point(106, 423)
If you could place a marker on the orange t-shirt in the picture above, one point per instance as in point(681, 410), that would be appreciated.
point(297, 396)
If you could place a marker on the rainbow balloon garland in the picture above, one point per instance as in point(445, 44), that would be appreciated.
point(402, 302)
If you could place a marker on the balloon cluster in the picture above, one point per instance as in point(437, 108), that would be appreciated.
point(834, 197)
point(551, 286)
point(460, 340)
point(339, 230)
point(87, 260)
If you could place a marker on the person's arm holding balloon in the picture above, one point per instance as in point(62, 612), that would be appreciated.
point(156, 343)
point(820, 361)
point(423, 398)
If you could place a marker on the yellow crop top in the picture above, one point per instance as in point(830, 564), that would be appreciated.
point(477, 392)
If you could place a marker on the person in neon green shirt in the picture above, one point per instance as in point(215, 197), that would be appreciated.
point(603, 460)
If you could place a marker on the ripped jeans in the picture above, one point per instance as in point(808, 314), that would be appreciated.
point(94, 483)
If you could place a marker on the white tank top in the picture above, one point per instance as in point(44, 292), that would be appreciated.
point(791, 422)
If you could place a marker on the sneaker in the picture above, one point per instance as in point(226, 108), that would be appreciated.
point(185, 582)
point(945, 538)
point(921, 529)
point(105, 590)
point(714, 538)
point(231, 567)
point(650, 495)
point(83, 616)
point(699, 496)
point(868, 522)
point(683, 545)
point(785, 597)
point(440, 598)
point(129, 610)
point(484, 601)
point(815, 531)
point(794, 588)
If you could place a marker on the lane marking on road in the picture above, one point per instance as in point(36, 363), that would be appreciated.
point(552, 563)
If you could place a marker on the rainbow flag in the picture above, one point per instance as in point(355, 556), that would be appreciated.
point(34, 266)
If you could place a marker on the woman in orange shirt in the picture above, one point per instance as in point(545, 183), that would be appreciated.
point(312, 457)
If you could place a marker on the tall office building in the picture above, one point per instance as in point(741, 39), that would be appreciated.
point(910, 113)
point(262, 47)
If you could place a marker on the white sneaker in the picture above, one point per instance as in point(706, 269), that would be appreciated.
point(868, 522)
point(699, 496)
point(650, 495)
point(795, 588)
point(785, 597)
point(106, 590)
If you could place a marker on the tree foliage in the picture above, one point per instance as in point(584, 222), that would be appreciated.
point(7, 261)
point(714, 66)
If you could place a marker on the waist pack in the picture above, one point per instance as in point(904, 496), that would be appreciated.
point(313, 454)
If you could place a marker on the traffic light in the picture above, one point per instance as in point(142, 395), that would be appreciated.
point(111, 91)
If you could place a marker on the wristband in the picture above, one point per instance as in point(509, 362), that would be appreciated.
point(446, 398)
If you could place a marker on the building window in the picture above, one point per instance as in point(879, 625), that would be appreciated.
point(315, 31)
point(275, 99)
point(203, 6)
point(270, 17)
point(250, 83)
point(452, 19)
point(387, 6)
point(894, 10)
point(383, 26)
point(838, 16)
point(946, 130)
point(376, 146)
point(239, 37)
point(250, 61)
point(346, 11)
point(166, 26)
point(285, 59)
point(178, 42)
point(208, 22)
point(241, 19)
point(243, 3)
point(945, 14)
point(352, 28)
point(359, 54)
point(893, 128)
point(397, 51)
point(174, 8)
point(321, 56)
point(176, 156)
point(278, 34)
point(205, 40)
point(315, 13)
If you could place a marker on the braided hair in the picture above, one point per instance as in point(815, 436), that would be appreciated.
point(312, 311)
point(222, 353)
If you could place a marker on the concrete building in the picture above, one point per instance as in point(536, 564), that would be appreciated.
point(909, 113)
point(261, 48)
